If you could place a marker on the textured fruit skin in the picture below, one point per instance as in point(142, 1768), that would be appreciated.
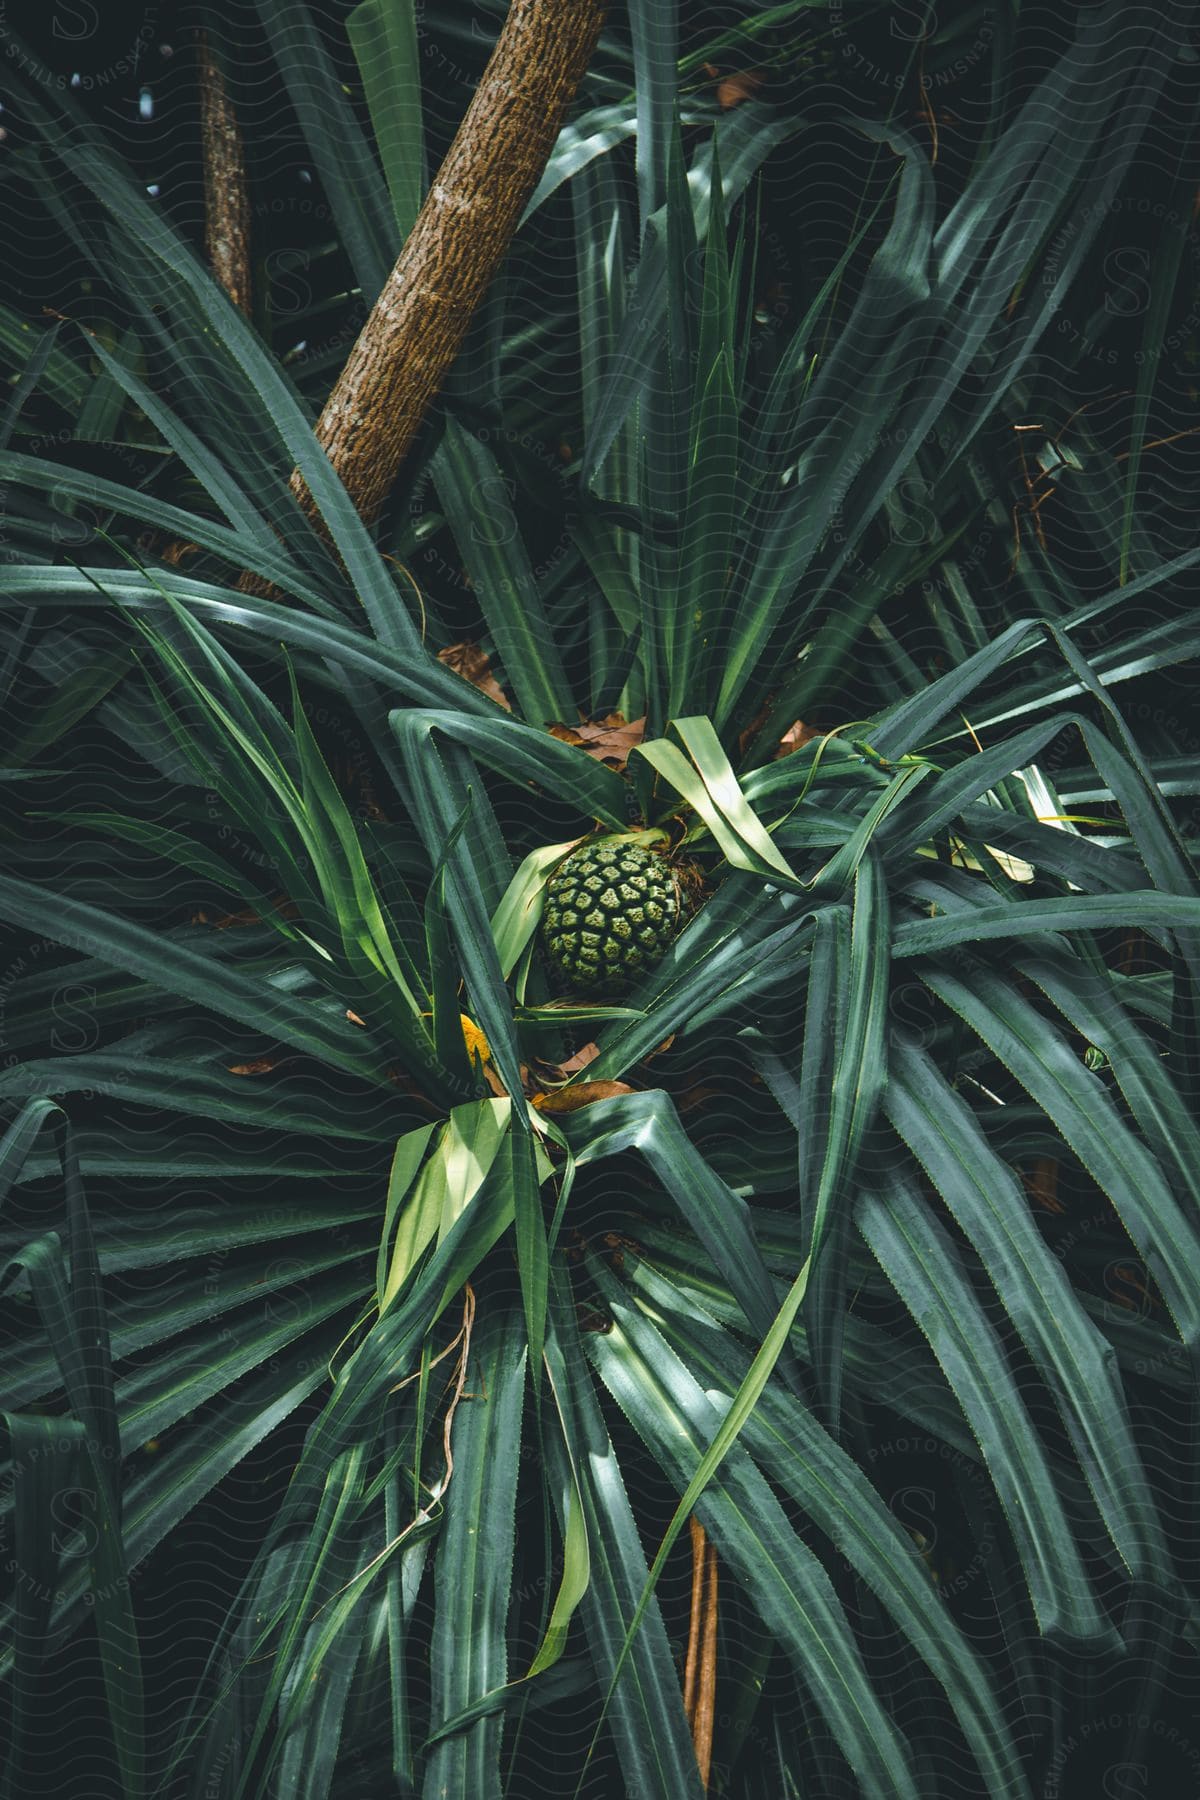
point(611, 910)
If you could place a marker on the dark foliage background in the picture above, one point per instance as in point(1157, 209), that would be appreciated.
point(1103, 1703)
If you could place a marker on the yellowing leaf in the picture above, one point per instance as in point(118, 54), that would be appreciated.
point(474, 1039)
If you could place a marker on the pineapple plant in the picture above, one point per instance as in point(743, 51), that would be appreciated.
point(373, 1202)
point(611, 911)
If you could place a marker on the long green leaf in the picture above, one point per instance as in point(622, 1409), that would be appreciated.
point(383, 35)
point(469, 1653)
point(1067, 1349)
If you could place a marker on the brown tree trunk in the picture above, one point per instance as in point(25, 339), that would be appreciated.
point(464, 227)
point(226, 206)
point(226, 196)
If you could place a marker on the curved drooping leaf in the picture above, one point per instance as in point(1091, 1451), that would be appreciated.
point(788, 1443)
point(676, 1419)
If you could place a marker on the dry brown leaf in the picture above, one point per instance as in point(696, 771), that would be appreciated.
point(226, 920)
point(469, 661)
point(580, 1093)
point(609, 739)
point(1041, 1184)
point(733, 89)
point(176, 553)
point(544, 1076)
point(751, 731)
point(286, 908)
point(263, 1066)
point(795, 736)
point(697, 1096)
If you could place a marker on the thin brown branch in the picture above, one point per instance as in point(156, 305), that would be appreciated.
point(700, 1671)
point(706, 1688)
point(696, 1530)
point(226, 194)
point(465, 225)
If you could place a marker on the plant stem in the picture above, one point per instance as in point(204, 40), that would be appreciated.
point(226, 195)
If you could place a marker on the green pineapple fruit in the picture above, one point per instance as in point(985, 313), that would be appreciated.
point(611, 910)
